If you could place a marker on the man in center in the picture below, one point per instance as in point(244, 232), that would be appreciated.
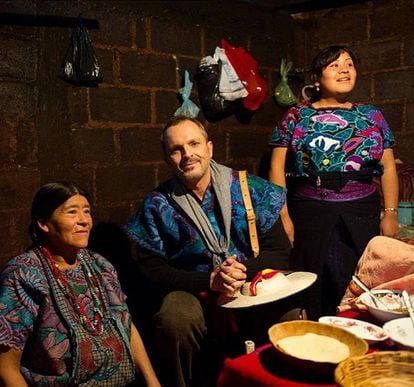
point(193, 238)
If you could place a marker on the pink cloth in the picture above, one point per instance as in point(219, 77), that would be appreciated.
point(386, 263)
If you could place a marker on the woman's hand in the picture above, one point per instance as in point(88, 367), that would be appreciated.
point(389, 225)
point(141, 359)
point(10, 375)
point(228, 277)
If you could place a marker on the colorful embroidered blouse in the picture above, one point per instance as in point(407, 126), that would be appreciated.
point(161, 228)
point(333, 139)
point(30, 322)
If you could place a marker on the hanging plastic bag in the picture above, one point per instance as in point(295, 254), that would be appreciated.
point(283, 93)
point(247, 69)
point(230, 87)
point(188, 108)
point(80, 66)
point(213, 105)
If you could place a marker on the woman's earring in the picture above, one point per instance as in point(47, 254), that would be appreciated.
point(317, 87)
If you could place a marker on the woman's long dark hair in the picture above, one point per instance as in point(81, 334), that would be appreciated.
point(49, 197)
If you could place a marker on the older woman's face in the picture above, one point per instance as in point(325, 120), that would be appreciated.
point(70, 224)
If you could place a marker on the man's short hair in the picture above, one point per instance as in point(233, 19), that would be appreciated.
point(177, 120)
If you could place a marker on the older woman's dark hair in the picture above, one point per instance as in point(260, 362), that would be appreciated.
point(49, 197)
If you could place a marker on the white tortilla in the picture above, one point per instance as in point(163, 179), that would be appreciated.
point(314, 347)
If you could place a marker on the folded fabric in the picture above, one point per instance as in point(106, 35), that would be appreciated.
point(230, 87)
point(386, 263)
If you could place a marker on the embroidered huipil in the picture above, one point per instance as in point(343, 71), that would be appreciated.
point(161, 228)
point(29, 320)
point(333, 140)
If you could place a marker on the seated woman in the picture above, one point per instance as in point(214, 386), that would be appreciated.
point(386, 263)
point(63, 316)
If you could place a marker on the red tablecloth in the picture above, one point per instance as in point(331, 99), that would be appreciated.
point(262, 367)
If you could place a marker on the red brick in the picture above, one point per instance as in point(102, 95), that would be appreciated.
point(105, 60)
point(378, 56)
point(141, 33)
point(18, 58)
point(123, 183)
point(114, 30)
point(392, 19)
point(362, 90)
point(141, 144)
point(341, 25)
point(148, 70)
point(396, 84)
point(8, 143)
point(166, 103)
point(409, 52)
point(78, 105)
point(410, 117)
point(93, 145)
point(120, 105)
point(17, 187)
point(17, 100)
point(178, 38)
point(404, 147)
point(27, 143)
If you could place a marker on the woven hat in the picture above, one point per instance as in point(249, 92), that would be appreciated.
point(268, 286)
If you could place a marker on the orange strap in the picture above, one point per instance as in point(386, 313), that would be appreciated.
point(251, 217)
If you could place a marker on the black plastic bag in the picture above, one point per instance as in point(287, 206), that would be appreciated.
point(80, 66)
point(214, 106)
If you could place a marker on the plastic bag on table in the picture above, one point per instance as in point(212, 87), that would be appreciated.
point(213, 105)
point(80, 66)
point(188, 108)
point(283, 93)
point(247, 69)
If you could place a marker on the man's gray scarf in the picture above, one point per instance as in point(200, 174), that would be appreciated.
point(221, 177)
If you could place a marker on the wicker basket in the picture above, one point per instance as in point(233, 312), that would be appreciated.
point(380, 369)
point(279, 331)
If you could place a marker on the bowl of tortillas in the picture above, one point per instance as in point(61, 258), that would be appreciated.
point(314, 347)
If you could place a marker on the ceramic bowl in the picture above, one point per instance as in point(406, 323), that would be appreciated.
point(279, 331)
point(401, 332)
point(392, 298)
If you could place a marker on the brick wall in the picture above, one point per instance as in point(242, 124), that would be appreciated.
point(382, 34)
point(106, 138)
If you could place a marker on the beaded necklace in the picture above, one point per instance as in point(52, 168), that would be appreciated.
point(95, 325)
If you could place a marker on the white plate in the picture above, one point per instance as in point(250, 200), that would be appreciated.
point(364, 330)
point(401, 331)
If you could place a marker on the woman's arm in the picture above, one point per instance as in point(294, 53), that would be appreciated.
point(10, 375)
point(277, 176)
point(141, 359)
point(389, 186)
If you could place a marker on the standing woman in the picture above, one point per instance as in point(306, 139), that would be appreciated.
point(63, 316)
point(327, 151)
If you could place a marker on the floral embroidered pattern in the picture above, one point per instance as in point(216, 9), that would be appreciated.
point(185, 247)
point(333, 139)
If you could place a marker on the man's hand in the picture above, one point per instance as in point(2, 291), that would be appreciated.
point(228, 277)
